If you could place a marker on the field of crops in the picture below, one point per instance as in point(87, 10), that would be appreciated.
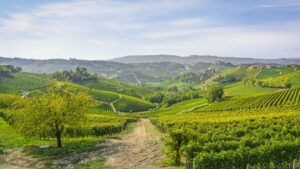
point(290, 77)
point(131, 104)
point(179, 108)
point(284, 98)
point(229, 140)
point(117, 87)
point(24, 81)
point(104, 107)
point(100, 95)
point(101, 124)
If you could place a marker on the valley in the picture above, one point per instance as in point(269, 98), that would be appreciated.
point(214, 115)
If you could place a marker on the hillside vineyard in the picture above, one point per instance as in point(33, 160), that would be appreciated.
point(205, 116)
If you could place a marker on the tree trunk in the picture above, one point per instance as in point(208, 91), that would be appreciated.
point(177, 158)
point(58, 135)
point(58, 139)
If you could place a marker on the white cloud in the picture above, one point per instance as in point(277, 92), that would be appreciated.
point(95, 29)
point(281, 4)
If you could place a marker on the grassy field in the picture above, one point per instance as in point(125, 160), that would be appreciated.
point(239, 89)
point(178, 108)
point(10, 139)
point(24, 81)
point(267, 72)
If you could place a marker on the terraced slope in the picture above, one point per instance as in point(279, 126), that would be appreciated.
point(117, 87)
point(288, 98)
point(131, 104)
point(292, 78)
point(122, 103)
point(273, 76)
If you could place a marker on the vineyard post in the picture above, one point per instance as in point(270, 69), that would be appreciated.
point(294, 164)
point(248, 166)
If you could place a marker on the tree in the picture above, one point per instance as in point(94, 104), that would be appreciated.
point(80, 74)
point(49, 114)
point(156, 98)
point(287, 85)
point(214, 93)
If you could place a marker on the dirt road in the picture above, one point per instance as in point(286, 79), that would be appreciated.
point(140, 149)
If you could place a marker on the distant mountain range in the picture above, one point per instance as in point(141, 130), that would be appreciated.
point(201, 58)
point(142, 68)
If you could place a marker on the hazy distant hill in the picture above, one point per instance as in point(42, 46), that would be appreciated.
point(126, 72)
point(200, 58)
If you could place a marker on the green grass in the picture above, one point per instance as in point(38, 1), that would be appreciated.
point(178, 108)
point(10, 139)
point(239, 89)
point(268, 72)
point(281, 80)
point(100, 95)
point(95, 164)
point(124, 104)
point(70, 147)
point(117, 87)
point(24, 81)
point(171, 83)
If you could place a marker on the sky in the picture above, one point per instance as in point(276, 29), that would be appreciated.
point(105, 29)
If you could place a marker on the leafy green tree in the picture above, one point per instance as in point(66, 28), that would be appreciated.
point(156, 98)
point(80, 74)
point(48, 115)
point(214, 93)
point(287, 85)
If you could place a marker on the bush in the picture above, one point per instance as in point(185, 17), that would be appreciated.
point(214, 93)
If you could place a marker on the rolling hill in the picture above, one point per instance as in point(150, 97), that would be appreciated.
point(262, 76)
point(280, 99)
point(201, 58)
point(103, 90)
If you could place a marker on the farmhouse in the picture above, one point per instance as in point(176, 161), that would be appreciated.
point(294, 66)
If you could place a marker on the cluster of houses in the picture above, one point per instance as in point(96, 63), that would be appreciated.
point(258, 66)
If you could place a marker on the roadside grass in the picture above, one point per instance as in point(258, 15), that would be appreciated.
point(10, 139)
point(151, 128)
point(95, 164)
point(70, 147)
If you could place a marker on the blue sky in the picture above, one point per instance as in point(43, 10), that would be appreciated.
point(104, 29)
